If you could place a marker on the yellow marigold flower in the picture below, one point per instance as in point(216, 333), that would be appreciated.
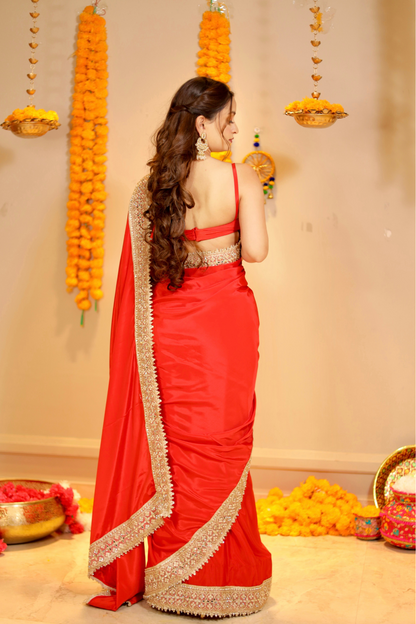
point(97, 264)
point(99, 159)
point(85, 505)
point(84, 304)
point(323, 484)
point(293, 510)
point(98, 253)
point(84, 264)
point(369, 511)
point(84, 253)
point(85, 243)
point(99, 195)
point(97, 293)
point(272, 529)
point(96, 272)
point(276, 492)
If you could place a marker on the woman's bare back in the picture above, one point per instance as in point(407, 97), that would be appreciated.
point(211, 184)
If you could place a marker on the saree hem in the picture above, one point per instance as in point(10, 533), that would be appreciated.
point(186, 561)
point(212, 601)
point(124, 537)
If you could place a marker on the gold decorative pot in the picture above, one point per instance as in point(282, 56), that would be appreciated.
point(30, 520)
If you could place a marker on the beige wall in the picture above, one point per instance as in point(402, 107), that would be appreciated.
point(336, 293)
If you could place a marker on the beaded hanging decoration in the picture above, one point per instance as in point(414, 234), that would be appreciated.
point(263, 165)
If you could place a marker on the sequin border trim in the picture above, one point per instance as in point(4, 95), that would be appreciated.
point(148, 518)
point(124, 537)
point(212, 601)
point(201, 547)
point(213, 257)
point(144, 349)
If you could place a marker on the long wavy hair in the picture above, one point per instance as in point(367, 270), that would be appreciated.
point(169, 168)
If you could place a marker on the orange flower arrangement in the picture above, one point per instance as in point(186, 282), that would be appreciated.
point(214, 41)
point(86, 218)
point(313, 508)
point(308, 105)
point(30, 113)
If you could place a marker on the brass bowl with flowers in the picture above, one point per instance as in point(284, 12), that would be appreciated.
point(316, 119)
point(315, 113)
point(30, 128)
point(28, 521)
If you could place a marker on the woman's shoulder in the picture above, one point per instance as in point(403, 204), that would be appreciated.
point(246, 175)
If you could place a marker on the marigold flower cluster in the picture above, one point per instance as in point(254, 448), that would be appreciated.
point(86, 218)
point(86, 505)
point(214, 41)
point(308, 105)
point(30, 112)
point(313, 508)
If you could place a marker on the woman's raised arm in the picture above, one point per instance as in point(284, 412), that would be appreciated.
point(253, 231)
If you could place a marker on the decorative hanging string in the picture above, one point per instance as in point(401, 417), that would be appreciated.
point(313, 112)
point(28, 122)
point(86, 218)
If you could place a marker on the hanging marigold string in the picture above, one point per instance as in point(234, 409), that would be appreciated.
point(214, 41)
point(86, 218)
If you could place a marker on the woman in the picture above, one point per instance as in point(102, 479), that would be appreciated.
point(178, 428)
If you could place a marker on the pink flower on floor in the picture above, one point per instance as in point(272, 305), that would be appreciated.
point(10, 493)
point(3, 545)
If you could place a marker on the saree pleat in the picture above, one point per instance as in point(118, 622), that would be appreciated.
point(177, 439)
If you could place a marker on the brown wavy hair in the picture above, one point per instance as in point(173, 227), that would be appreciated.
point(169, 168)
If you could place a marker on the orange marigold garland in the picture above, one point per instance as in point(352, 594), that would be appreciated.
point(214, 41)
point(86, 218)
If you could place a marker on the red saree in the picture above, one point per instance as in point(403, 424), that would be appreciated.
point(177, 439)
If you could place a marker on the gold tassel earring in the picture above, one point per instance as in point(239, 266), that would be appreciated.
point(202, 147)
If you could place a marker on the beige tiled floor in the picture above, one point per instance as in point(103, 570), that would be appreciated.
point(321, 580)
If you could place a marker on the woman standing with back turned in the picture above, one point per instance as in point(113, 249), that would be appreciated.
point(178, 428)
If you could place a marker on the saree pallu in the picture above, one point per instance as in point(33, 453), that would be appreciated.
point(177, 438)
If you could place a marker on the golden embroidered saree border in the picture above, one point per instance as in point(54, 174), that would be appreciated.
point(144, 348)
point(213, 257)
point(202, 545)
point(213, 601)
point(126, 536)
point(150, 516)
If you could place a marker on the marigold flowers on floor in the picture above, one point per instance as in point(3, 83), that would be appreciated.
point(313, 508)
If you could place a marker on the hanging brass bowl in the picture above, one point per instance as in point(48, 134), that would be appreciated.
point(316, 119)
point(262, 163)
point(30, 520)
point(30, 128)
